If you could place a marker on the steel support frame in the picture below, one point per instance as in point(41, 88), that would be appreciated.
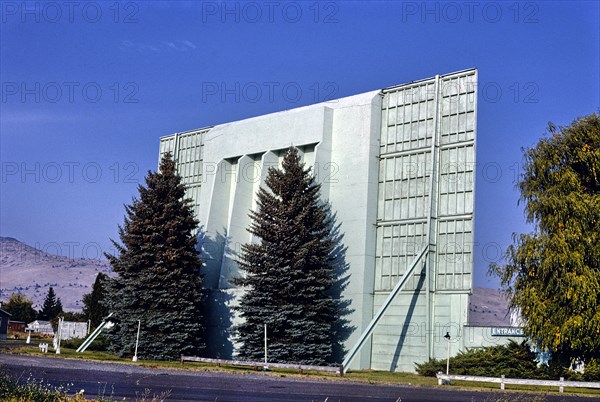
point(429, 249)
point(388, 301)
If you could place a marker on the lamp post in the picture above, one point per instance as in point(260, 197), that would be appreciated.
point(59, 334)
point(447, 336)
point(266, 367)
point(137, 339)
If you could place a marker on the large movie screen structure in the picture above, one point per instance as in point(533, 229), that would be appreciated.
point(397, 165)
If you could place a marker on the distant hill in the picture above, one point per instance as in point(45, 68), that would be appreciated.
point(488, 307)
point(30, 271)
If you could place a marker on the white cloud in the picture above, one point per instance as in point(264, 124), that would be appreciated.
point(178, 46)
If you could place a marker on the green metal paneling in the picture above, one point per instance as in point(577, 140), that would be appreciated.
point(426, 196)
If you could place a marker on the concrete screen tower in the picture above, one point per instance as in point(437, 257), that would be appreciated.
point(397, 166)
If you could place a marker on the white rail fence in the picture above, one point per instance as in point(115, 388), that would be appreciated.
point(301, 367)
point(561, 384)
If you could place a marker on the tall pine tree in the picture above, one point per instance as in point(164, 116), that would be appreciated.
point(52, 306)
point(158, 280)
point(289, 273)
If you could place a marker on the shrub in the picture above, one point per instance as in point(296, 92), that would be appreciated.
point(100, 344)
point(514, 360)
point(592, 371)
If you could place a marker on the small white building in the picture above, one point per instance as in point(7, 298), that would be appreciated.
point(41, 327)
point(72, 329)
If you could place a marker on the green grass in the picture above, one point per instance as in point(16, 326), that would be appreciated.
point(367, 376)
point(388, 377)
point(67, 353)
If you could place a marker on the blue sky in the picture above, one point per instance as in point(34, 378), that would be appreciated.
point(89, 87)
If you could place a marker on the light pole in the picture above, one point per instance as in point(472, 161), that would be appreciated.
point(447, 336)
point(59, 334)
point(137, 339)
point(266, 367)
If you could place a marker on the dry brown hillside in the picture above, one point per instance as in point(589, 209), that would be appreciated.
point(30, 271)
point(488, 307)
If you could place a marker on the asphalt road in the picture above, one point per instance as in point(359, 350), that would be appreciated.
point(118, 381)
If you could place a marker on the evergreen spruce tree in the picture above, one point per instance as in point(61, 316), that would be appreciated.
point(289, 272)
point(94, 308)
point(52, 306)
point(158, 267)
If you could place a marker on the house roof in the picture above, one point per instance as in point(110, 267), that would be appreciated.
point(5, 312)
point(40, 322)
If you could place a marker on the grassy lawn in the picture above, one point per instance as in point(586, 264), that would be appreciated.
point(368, 376)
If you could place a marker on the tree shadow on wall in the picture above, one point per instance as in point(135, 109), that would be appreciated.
point(217, 313)
point(341, 329)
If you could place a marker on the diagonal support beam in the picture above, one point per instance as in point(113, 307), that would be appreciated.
point(104, 324)
point(369, 330)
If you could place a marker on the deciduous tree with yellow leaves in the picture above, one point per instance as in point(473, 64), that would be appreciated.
point(552, 275)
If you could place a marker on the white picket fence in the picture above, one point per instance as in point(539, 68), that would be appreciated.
point(443, 378)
